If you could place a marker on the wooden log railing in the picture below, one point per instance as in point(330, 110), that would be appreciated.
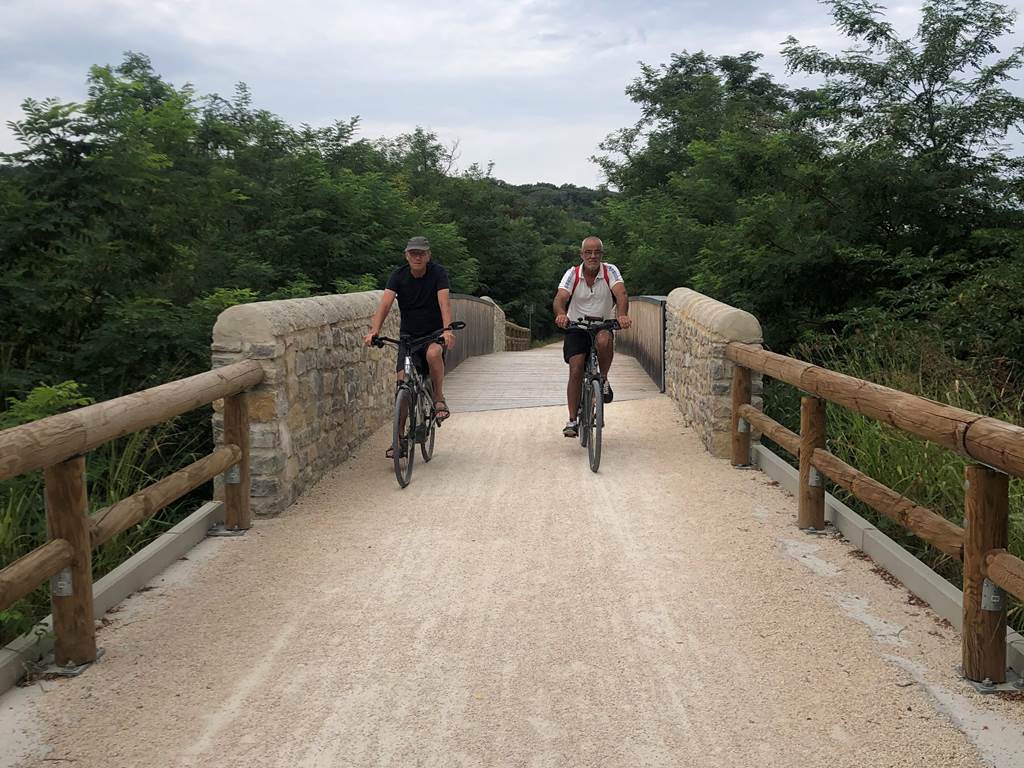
point(995, 447)
point(57, 445)
point(517, 338)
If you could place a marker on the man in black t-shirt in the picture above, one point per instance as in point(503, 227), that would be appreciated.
point(422, 289)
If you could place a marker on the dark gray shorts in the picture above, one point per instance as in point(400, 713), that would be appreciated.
point(576, 343)
point(419, 359)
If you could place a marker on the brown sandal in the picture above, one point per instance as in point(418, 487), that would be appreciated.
point(390, 452)
point(441, 411)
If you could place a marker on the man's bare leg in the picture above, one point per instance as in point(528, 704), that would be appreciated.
point(575, 386)
point(605, 352)
point(435, 360)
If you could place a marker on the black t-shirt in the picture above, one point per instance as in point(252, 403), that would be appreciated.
point(417, 298)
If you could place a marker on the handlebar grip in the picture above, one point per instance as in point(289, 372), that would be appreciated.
point(456, 325)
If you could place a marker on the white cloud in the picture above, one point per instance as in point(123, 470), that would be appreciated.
point(524, 151)
point(532, 84)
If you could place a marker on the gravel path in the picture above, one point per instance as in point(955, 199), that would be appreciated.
point(510, 608)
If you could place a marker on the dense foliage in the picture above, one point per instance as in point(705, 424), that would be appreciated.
point(887, 194)
point(129, 221)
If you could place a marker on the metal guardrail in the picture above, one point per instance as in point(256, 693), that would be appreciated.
point(477, 338)
point(645, 340)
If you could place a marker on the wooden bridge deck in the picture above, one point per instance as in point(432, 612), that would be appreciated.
point(533, 379)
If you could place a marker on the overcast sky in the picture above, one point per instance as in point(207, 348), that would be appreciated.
point(532, 85)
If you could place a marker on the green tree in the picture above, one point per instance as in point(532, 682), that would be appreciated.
point(927, 117)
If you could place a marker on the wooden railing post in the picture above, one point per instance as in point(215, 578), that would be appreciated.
point(986, 527)
point(67, 507)
point(811, 512)
point(237, 513)
point(740, 426)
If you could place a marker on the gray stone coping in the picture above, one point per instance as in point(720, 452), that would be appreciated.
point(728, 323)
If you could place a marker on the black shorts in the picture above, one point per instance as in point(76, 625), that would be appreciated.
point(419, 359)
point(577, 343)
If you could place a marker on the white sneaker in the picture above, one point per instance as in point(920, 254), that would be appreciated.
point(571, 429)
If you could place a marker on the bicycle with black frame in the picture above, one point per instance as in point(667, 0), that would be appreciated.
point(590, 413)
point(415, 420)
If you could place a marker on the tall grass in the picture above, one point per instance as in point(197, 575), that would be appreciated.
point(113, 472)
point(932, 476)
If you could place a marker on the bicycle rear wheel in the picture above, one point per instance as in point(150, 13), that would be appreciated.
point(403, 438)
point(596, 416)
point(427, 425)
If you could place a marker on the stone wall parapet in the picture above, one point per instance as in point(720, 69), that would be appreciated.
point(697, 374)
point(323, 392)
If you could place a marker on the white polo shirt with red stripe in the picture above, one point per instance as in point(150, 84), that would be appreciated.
point(591, 300)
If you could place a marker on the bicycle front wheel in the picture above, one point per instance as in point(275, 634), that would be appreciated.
point(583, 414)
point(403, 443)
point(596, 417)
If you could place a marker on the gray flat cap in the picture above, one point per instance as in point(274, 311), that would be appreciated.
point(418, 243)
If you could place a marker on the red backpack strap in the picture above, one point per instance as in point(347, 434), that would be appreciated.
point(605, 268)
point(575, 282)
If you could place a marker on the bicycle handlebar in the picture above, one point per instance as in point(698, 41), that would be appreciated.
point(413, 344)
point(593, 325)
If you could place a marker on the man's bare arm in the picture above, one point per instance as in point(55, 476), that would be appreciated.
point(560, 306)
point(621, 304)
point(445, 304)
point(386, 300)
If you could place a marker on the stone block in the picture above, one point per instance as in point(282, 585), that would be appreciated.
point(264, 462)
point(220, 359)
point(263, 407)
point(267, 506)
point(263, 436)
point(272, 375)
point(265, 486)
point(264, 351)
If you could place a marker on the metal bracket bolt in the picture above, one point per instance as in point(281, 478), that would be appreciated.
point(61, 583)
point(993, 598)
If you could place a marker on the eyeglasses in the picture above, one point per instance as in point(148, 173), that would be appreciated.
point(593, 253)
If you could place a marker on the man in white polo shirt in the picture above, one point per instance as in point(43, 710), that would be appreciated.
point(592, 290)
